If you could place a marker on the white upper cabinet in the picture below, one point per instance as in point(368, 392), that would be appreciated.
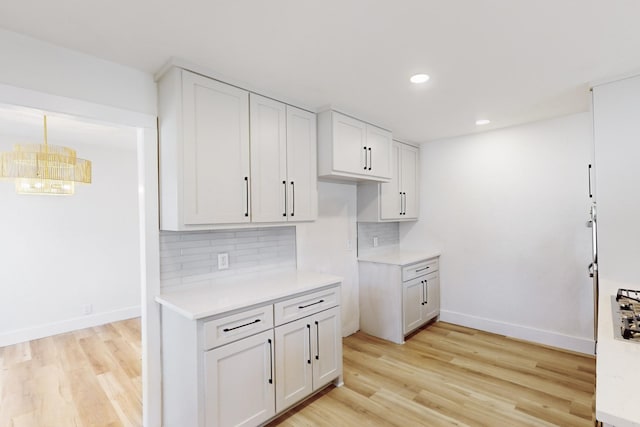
point(283, 162)
point(204, 152)
point(302, 174)
point(269, 185)
point(379, 145)
point(409, 176)
point(349, 146)
point(349, 149)
point(397, 200)
point(231, 158)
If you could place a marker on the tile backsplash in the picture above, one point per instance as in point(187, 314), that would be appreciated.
point(388, 234)
point(191, 257)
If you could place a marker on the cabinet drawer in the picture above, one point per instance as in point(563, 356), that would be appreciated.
point(296, 308)
point(227, 329)
point(419, 269)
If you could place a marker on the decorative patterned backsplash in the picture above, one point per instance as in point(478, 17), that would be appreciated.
point(388, 234)
point(191, 257)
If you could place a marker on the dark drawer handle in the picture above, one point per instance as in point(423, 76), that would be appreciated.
point(300, 307)
point(422, 269)
point(241, 326)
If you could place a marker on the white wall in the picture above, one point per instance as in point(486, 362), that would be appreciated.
point(61, 253)
point(328, 245)
point(32, 64)
point(508, 209)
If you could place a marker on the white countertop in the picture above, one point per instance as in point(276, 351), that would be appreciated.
point(242, 291)
point(396, 256)
point(617, 366)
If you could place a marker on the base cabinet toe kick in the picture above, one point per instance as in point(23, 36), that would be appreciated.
point(246, 367)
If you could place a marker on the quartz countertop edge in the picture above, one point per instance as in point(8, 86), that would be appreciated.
point(238, 292)
point(616, 365)
point(397, 256)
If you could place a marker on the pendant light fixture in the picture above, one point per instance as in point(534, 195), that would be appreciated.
point(44, 168)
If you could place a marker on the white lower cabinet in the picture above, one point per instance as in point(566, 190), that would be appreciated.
point(420, 300)
point(396, 298)
point(239, 382)
point(244, 367)
point(308, 356)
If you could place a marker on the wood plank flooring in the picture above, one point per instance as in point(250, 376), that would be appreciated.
point(448, 375)
point(90, 377)
point(444, 375)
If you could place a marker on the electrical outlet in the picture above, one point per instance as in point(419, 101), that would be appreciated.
point(375, 242)
point(223, 261)
point(87, 309)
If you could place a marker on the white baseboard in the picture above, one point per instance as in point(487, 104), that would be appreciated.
point(67, 325)
point(554, 339)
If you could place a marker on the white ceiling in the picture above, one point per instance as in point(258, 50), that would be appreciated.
point(511, 61)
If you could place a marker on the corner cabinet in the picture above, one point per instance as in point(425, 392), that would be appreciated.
point(397, 298)
point(350, 149)
point(399, 199)
point(245, 367)
point(230, 157)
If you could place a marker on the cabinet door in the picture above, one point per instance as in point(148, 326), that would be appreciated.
point(391, 197)
point(379, 142)
point(409, 158)
point(302, 176)
point(349, 145)
point(413, 296)
point(216, 151)
point(432, 307)
point(326, 345)
point(268, 160)
point(239, 389)
point(293, 363)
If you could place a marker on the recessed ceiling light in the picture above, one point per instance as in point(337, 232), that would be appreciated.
point(483, 122)
point(419, 78)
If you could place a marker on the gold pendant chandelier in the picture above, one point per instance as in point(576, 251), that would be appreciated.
point(44, 168)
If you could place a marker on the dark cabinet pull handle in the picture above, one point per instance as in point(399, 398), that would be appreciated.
point(365, 158)
point(285, 198)
point(270, 361)
point(370, 158)
point(401, 203)
point(309, 305)
point(317, 340)
point(404, 209)
point(426, 297)
point(589, 170)
point(422, 269)
point(241, 326)
point(422, 281)
point(246, 183)
point(293, 198)
point(309, 359)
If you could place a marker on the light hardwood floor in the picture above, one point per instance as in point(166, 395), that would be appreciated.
point(90, 377)
point(449, 375)
point(443, 375)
